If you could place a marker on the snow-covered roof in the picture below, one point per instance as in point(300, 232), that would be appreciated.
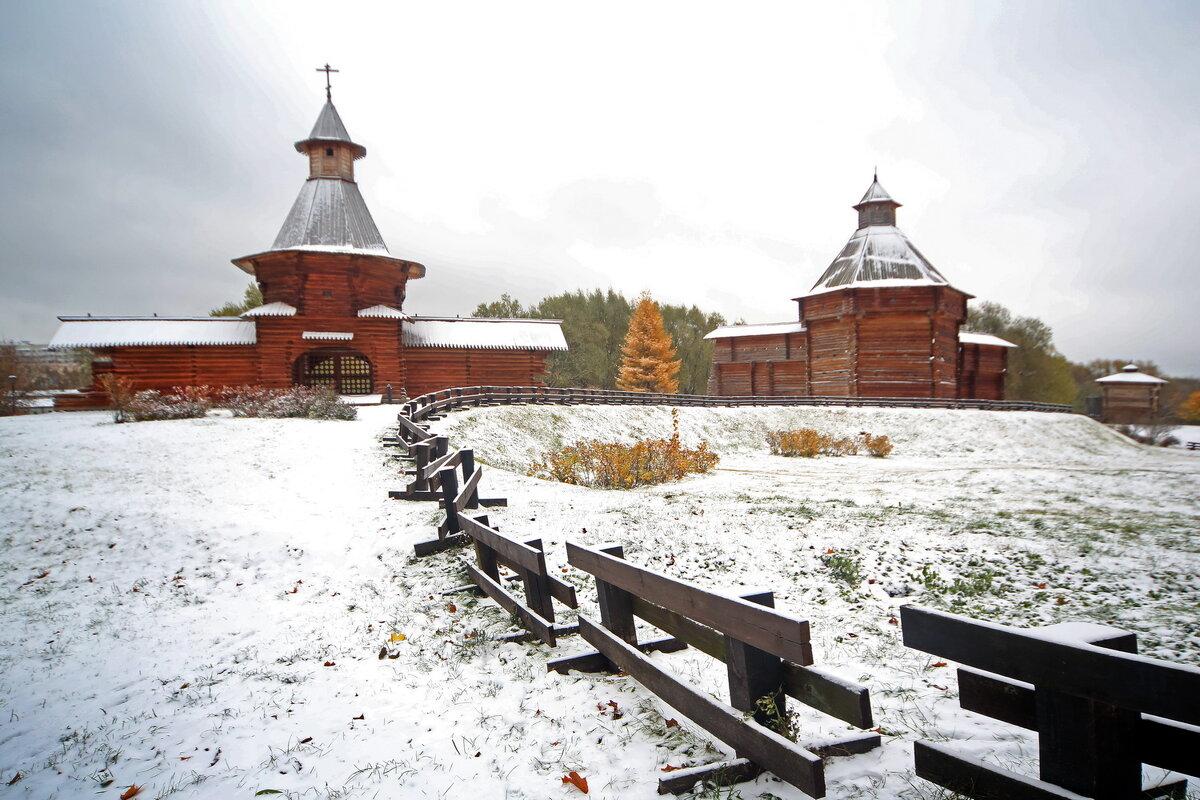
point(329, 127)
point(878, 255)
point(330, 212)
point(383, 312)
point(876, 194)
point(1130, 374)
point(148, 331)
point(485, 334)
point(762, 329)
point(276, 309)
point(334, 336)
point(971, 337)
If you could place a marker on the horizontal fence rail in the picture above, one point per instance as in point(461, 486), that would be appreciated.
point(767, 653)
point(447, 400)
point(1085, 691)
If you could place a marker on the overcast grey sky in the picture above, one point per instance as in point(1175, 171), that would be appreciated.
point(1047, 153)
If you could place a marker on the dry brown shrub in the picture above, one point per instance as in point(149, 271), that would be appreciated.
point(809, 443)
point(613, 465)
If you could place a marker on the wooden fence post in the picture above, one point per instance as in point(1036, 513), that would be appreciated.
point(449, 480)
point(755, 674)
point(485, 556)
point(467, 457)
point(421, 456)
point(537, 588)
point(616, 605)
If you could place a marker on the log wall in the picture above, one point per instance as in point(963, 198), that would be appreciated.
point(981, 371)
point(774, 364)
point(330, 284)
point(281, 342)
point(433, 368)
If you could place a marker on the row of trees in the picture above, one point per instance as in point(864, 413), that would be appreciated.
point(595, 325)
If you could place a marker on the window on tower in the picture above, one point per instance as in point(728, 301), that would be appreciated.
point(328, 151)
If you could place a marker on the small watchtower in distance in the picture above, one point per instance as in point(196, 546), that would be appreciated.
point(1129, 396)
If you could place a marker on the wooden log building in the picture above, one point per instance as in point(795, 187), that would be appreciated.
point(332, 314)
point(880, 322)
point(1129, 396)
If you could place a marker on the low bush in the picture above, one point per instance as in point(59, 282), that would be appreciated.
point(809, 443)
point(307, 402)
point(188, 402)
point(613, 465)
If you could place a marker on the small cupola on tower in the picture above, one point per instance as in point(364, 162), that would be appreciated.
point(876, 206)
point(330, 151)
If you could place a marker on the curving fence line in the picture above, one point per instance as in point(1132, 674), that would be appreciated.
point(446, 400)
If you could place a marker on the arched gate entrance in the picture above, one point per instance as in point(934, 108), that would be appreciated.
point(344, 371)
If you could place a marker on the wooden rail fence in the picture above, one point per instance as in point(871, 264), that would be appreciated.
point(767, 655)
point(1100, 710)
point(435, 403)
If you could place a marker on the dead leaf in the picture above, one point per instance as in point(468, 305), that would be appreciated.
point(15, 779)
point(452, 608)
point(672, 723)
point(383, 652)
point(306, 740)
point(130, 792)
point(938, 664)
point(576, 780)
point(184, 685)
point(361, 716)
point(397, 637)
point(893, 621)
point(669, 768)
point(330, 664)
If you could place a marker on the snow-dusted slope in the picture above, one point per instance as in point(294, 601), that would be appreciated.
point(171, 592)
point(513, 436)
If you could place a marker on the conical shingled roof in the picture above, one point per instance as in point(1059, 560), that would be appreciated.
point(878, 254)
point(329, 213)
point(330, 128)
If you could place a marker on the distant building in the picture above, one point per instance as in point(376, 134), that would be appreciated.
point(332, 315)
point(1129, 396)
point(880, 322)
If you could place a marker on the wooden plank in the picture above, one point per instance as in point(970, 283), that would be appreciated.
point(593, 661)
point(421, 549)
point(755, 676)
point(444, 462)
point(845, 745)
point(764, 747)
point(1160, 742)
point(1085, 670)
point(829, 694)
point(537, 585)
point(542, 628)
point(469, 489)
point(973, 778)
point(415, 432)
point(513, 552)
point(448, 480)
point(722, 773)
point(701, 637)
point(765, 628)
point(412, 495)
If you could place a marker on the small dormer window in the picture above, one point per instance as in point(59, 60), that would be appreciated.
point(328, 151)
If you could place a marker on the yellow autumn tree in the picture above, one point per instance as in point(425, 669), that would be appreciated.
point(1189, 410)
point(648, 362)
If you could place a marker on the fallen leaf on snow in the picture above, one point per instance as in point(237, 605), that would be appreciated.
point(130, 792)
point(672, 723)
point(306, 740)
point(361, 716)
point(397, 637)
point(576, 780)
point(938, 664)
point(330, 664)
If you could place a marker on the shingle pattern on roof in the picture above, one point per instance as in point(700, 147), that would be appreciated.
point(485, 334)
point(330, 212)
point(329, 125)
point(276, 309)
point(878, 253)
point(149, 331)
point(875, 193)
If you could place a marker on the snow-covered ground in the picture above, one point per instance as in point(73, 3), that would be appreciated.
point(199, 607)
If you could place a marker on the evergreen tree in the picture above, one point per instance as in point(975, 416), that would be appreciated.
point(251, 299)
point(648, 362)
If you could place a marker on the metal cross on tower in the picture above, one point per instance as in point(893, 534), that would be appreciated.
point(328, 86)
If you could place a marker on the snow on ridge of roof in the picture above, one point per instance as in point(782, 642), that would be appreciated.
point(1130, 377)
point(483, 333)
point(150, 331)
point(971, 337)
point(276, 309)
point(758, 329)
point(383, 312)
point(329, 212)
